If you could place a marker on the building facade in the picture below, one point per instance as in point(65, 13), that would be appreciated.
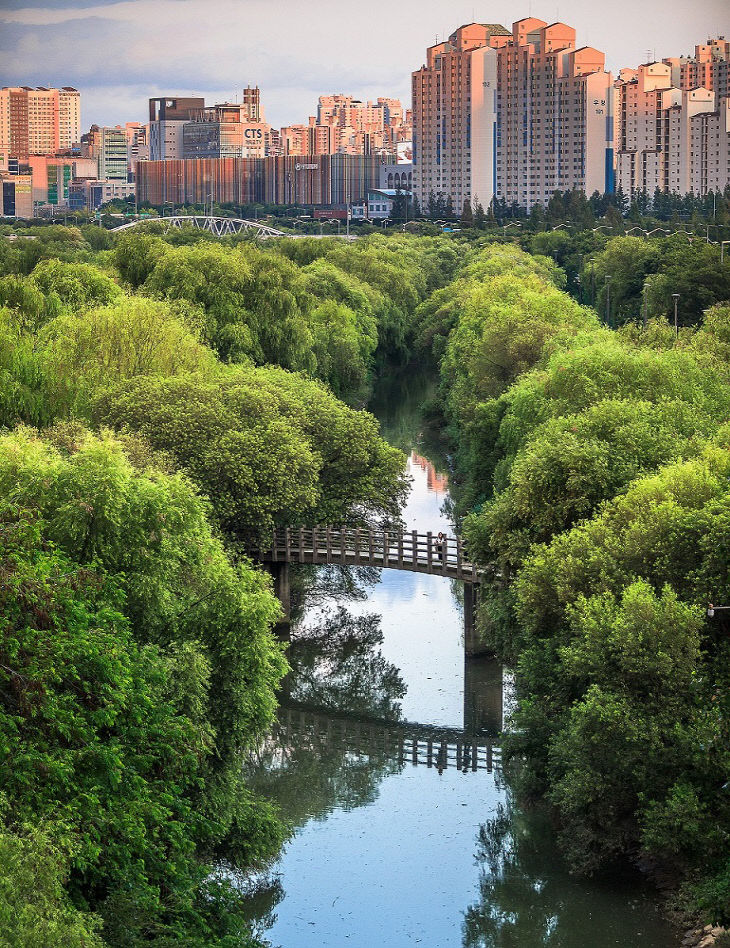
point(513, 115)
point(16, 196)
point(167, 119)
point(314, 180)
point(670, 117)
point(39, 121)
point(455, 114)
point(224, 131)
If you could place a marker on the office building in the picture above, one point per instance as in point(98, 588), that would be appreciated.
point(224, 131)
point(16, 195)
point(52, 175)
point(168, 116)
point(314, 180)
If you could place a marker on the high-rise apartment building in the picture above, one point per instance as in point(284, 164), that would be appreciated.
point(347, 126)
point(710, 149)
point(669, 121)
point(554, 115)
point(455, 116)
point(38, 121)
point(707, 69)
point(644, 125)
point(515, 116)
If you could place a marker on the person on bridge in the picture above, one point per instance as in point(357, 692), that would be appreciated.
point(440, 546)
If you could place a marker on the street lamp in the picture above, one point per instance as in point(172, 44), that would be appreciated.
point(675, 297)
point(646, 303)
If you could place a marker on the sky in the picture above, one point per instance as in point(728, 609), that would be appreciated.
point(119, 53)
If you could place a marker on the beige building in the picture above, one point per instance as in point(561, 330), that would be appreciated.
point(38, 121)
point(513, 115)
point(555, 121)
point(710, 149)
point(455, 114)
point(671, 132)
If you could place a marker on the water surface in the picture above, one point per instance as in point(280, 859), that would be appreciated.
point(385, 851)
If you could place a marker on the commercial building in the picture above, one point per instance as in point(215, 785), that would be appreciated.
point(52, 176)
point(379, 205)
point(397, 176)
point(90, 194)
point(224, 131)
point(168, 116)
point(137, 144)
point(112, 155)
point(316, 180)
point(16, 196)
point(38, 121)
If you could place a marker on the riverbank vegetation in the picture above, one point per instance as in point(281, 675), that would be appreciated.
point(595, 473)
point(161, 406)
point(165, 397)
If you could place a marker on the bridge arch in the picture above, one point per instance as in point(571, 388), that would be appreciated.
point(357, 546)
point(220, 226)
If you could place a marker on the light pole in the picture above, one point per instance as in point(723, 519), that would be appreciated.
point(675, 297)
point(646, 304)
point(608, 299)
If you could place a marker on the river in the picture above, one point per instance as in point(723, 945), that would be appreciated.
point(384, 761)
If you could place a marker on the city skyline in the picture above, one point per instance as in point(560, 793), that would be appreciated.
point(72, 42)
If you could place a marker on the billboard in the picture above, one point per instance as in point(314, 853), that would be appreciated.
point(404, 153)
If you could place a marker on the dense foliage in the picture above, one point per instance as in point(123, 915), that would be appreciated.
point(160, 400)
point(594, 473)
point(164, 395)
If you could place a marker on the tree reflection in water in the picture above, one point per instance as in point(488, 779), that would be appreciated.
point(312, 586)
point(527, 898)
point(337, 666)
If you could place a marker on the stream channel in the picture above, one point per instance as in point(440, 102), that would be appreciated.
point(385, 761)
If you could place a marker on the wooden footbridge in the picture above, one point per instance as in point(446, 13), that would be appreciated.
point(357, 546)
point(365, 546)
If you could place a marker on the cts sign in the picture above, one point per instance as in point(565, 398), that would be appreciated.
point(253, 133)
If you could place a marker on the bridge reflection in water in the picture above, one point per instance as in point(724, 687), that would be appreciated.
point(473, 747)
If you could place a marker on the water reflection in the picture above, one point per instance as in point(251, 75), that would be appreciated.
point(384, 762)
point(337, 665)
point(527, 899)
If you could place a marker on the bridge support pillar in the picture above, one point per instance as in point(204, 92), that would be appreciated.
point(280, 574)
point(472, 643)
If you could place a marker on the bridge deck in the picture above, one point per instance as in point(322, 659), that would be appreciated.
point(357, 546)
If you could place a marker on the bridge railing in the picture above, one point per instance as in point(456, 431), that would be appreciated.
point(422, 552)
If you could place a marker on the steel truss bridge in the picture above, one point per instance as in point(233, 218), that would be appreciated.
point(220, 226)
